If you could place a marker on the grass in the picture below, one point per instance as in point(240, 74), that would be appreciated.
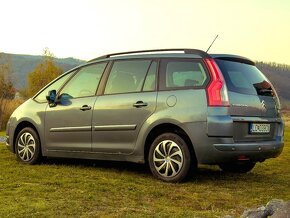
point(65, 188)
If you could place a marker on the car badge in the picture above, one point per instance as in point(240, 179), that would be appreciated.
point(263, 104)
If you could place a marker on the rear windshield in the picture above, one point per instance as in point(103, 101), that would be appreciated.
point(244, 78)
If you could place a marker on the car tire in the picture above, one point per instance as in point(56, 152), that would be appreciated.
point(169, 158)
point(238, 167)
point(27, 146)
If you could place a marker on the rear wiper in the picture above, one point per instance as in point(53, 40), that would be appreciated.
point(265, 92)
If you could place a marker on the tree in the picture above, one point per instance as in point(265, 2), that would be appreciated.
point(44, 72)
point(7, 90)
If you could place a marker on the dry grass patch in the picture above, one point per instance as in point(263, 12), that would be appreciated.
point(79, 188)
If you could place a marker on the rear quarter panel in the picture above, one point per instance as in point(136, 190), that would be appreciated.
point(178, 107)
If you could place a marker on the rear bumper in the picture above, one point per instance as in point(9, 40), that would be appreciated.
point(253, 151)
point(214, 142)
point(252, 147)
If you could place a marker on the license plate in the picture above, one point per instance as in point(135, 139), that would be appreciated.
point(259, 128)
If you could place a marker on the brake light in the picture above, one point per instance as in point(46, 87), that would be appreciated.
point(217, 94)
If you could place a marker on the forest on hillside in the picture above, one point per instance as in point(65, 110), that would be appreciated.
point(23, 64)
point(279, 75)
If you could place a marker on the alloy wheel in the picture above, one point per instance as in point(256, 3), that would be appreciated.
point(168, 158)
point(26, 146)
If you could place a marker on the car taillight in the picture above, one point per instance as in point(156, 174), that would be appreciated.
point(217, 93)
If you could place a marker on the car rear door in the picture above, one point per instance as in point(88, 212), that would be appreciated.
point(128, 100)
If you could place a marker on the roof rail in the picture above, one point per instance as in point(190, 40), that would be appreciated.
point(201, 53)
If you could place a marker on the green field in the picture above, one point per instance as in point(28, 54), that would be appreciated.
point(65, 188)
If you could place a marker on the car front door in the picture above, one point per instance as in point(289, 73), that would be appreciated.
point(128, 101)
point(68, 123)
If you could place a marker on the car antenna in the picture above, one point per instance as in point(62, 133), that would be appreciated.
point(212, 43)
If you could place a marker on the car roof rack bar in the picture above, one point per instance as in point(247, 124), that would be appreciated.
point(201, 53)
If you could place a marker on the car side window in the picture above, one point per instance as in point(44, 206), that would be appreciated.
point(127, 76)
point(41, 97)
point(85, 82)
point(180, 74)
point(150, 81)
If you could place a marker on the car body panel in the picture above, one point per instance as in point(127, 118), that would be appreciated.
point(116, 122)
point(67, 127)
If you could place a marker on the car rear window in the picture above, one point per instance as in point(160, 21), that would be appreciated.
point(244, 78)
point(182, 74)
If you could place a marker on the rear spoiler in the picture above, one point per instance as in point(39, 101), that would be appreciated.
point(234, 58)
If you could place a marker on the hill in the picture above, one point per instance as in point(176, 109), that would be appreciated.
point(279, 74)
point(23, 64)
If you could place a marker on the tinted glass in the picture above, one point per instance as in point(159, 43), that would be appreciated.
point(244, 78)
point(85, 82)
point(182, 74)
point(127, 76)
point(150, 81)
point(54, 86)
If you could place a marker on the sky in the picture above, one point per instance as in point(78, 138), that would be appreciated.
point(85, 29)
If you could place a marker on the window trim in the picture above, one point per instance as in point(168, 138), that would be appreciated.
point(162, 74)
point(77, 71)
point(109, 70)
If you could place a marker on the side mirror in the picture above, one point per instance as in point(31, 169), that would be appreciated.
point(64, 99)
point(51, 98)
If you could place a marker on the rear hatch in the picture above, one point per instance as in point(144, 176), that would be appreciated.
point(254, 104)
point(250, 92)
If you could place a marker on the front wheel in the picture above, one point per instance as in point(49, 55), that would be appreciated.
point(238, 167)
point(169, 158)
point(27, 146)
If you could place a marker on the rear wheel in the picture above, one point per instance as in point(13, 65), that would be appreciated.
point(27, 146)
point(238, 167)
point(169, 158)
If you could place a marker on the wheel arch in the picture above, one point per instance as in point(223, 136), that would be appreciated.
point(21, 126)
point(167, 128)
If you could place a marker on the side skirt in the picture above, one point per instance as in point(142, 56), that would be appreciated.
point(94, 156)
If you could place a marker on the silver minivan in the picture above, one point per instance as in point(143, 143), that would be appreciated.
point(169, 108)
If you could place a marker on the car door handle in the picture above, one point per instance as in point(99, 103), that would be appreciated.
point(85, 108)
point(140, 104)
